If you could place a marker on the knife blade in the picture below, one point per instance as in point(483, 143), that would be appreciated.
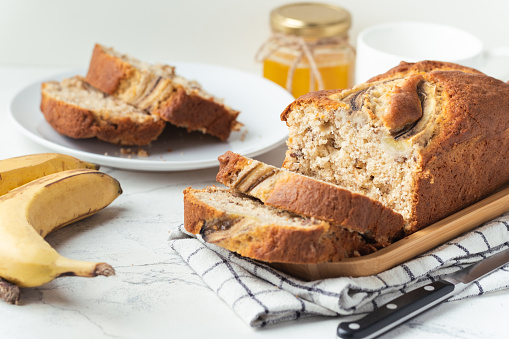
point(418, 300)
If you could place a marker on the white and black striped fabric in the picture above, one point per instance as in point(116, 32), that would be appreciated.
point(262, 296)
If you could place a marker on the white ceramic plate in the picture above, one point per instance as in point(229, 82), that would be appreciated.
point(259, 101)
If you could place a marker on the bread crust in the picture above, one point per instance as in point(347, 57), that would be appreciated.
point(80, 123)
point(405, 69)
point(106, 72)
point(466, 157)
point(194, 112)
point(270, 242)
point(310, 197)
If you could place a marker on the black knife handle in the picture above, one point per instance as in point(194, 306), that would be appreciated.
point(396, 311)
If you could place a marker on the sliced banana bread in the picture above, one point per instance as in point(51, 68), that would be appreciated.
point(425, 139)
point(77, 110)
point(310, 197)
point(158, 89)
point(244, 225)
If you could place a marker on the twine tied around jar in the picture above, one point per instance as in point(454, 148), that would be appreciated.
point(303, 48)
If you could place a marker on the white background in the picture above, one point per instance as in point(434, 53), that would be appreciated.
point(62, 33)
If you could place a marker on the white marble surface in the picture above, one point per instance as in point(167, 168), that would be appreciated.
point(154, 294)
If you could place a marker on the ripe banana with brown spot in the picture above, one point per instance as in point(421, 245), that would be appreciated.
point(18, 171)
point(30, 212)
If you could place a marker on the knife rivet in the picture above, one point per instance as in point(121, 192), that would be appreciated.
point(354, 326)
point(429, 288)
point(391, 306)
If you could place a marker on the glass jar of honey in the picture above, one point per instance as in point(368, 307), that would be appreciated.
point(309, 48)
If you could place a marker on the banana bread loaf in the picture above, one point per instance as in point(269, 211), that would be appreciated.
point(158, 89)
point(246, 226)
point(310, 197)
point(77, 110)
point(425, 139)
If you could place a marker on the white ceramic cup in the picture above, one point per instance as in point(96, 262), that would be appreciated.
point(381, 47)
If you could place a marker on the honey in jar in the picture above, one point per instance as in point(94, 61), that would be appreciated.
point(309, 48)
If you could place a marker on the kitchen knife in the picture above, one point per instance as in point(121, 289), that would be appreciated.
point(416, 301)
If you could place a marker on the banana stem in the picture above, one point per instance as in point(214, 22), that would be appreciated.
point(66, 267)
point(9, 292)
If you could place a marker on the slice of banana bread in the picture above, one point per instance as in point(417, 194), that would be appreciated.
point(244, 225)
point(425, 139)
point(310, 197)
point(158, 89)
point(77, 110)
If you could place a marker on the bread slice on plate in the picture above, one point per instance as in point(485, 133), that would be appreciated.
point(245, 225)
point(158, 89)
point(77, 110)
point(310, 197)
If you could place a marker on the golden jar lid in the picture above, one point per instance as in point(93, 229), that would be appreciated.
point(311, 20)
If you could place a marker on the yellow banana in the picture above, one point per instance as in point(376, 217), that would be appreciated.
point(30, 212)
point(18, 171)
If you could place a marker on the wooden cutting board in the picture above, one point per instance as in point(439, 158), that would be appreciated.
point(409, 247)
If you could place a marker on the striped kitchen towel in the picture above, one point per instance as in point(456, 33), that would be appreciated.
point(261, 295)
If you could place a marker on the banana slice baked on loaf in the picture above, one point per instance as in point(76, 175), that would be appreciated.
point(77, 110)
point(244, 225)
point(158, 89)
point(310, 197)
point(425, 139)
